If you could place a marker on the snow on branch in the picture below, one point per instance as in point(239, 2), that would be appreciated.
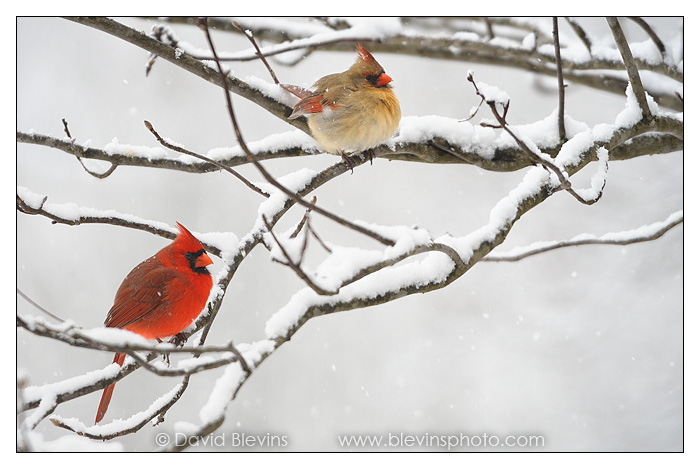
point(621, 238)
point(428, 139)
point(118, 341)
point(423, 139)
point(631, 66)
point(523, 44)
point(127, 426)
point(292, 143)
point(72, 214)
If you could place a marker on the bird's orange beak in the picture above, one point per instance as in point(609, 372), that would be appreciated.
point(203, 261)
point(383, 80)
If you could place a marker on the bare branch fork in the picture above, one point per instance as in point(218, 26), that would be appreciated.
point(295, 265)
point(109, 171)
point(535, 157)
point(204, 158)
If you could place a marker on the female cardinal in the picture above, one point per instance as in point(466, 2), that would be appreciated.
point(161, 296)
point(352, 111)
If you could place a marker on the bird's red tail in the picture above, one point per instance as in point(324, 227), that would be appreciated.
point(107, 394)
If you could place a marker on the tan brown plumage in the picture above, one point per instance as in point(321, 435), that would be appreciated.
point(352, 111)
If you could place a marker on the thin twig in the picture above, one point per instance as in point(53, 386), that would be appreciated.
point(296, 265)
point(632, 71)
point(204, 158)
point(580, 32)
point(489, 27)
point(647, 29)
point(318, 238)
point(65, 129)
point(159, 413)
point(305, 224)
point(208, 365)
point(534, 157)
point(560, 78)
point(257, 51)
point(37, 306)
point(159, 32)
point(303, 219)
point(103, 175)
point(615, 239)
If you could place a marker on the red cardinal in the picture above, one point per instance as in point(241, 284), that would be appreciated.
point(161, 296)
point(352, 111)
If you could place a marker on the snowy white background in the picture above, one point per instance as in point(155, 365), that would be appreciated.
point(583, 346)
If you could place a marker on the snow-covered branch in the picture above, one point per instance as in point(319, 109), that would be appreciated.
point(72, 214)
point(155, 412)
point(424, 139)
point(631, 66)
point(119, 341)
point(547, 157)
point(518, 44)
point(621, 238)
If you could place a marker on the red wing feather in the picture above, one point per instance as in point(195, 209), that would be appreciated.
point(310, 104)
point(296, 91)
point(313, 104)
point(141, 293)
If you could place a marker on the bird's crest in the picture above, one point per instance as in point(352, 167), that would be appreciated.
point(364, 55)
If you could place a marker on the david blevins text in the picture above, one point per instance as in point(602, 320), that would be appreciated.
point(233, 440)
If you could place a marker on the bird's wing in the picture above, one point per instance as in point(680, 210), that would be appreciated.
point(308, 105)
point(143, 291)
point(319, 101)
point(297, 91)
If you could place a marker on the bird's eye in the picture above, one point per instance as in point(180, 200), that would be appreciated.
point(373, 78)
point(192, 258)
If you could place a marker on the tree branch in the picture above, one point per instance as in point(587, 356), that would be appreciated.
point(460, 49)
point(648, 29)
point(135, 423)
point(639, 235)
point(560, 79)
point(192, 65)
point(631, 66)
point(204, 158)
